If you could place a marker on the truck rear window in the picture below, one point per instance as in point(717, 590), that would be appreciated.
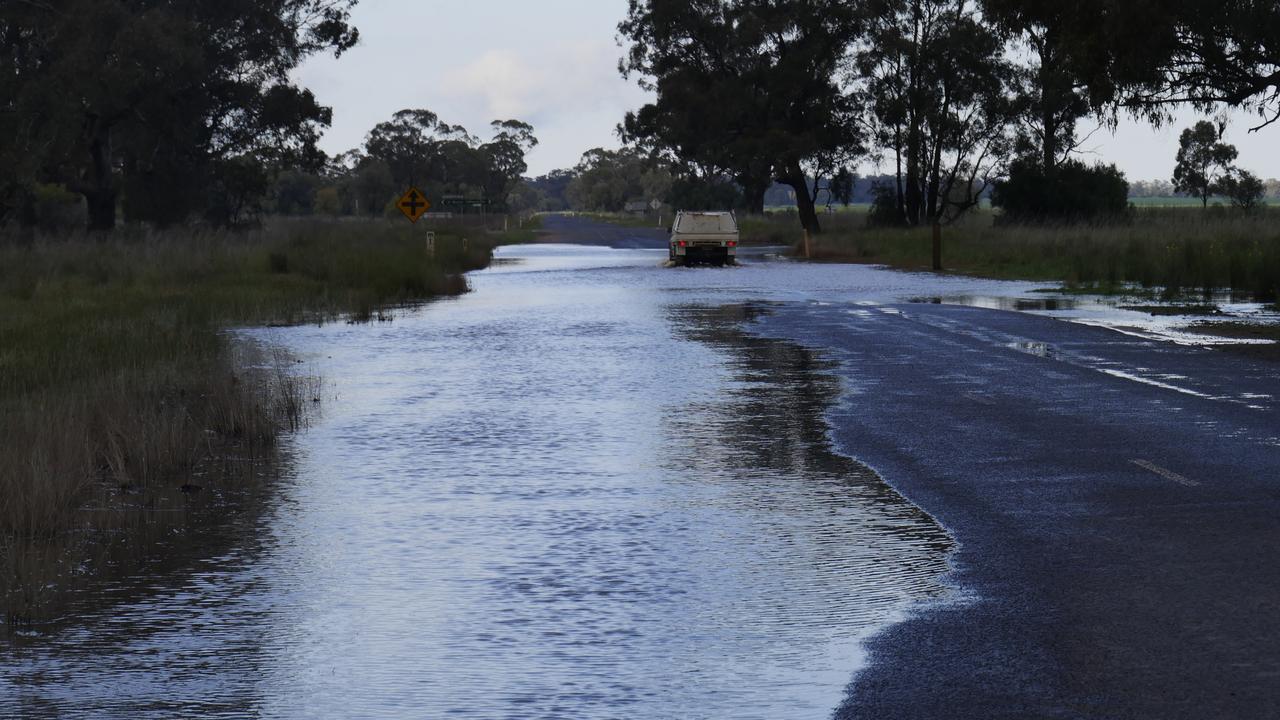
point(698, 224)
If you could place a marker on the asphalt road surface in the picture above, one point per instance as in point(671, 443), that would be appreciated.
point(527, 546)
point(1116, 503)
point(578, 231)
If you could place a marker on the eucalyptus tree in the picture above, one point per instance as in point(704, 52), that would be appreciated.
point(504, 157)
point(420, 149)
point(409, 144)
point(750, 86)
point(607, 179)
point(158, 97)
point(1053, 95)
point(1203, 161)
point(1150, 56)
point(1244, 189)
point(707, 113)
point(939, 86)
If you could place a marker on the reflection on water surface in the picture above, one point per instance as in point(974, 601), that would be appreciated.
point(580, 492)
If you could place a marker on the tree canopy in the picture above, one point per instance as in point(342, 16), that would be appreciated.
point(159, 99)
point(748, 88)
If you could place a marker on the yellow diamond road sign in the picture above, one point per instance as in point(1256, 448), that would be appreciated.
point(413, 204)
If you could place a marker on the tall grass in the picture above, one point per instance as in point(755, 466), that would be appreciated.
point(1173, 250)
point(120, 392)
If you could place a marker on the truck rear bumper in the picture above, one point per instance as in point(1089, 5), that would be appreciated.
point(708, 254)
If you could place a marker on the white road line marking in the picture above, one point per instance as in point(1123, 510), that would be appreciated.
point(1165, 473)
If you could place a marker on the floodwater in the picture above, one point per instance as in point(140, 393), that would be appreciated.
point(584, 490)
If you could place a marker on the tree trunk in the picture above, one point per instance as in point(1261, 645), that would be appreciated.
point(1050, 124)
point(753, 191)
point(804, 201)
point(1049, 99)
point(911, 198)
point(102, 209)
point(98, 185)
point(937, 246)
point(897, 153)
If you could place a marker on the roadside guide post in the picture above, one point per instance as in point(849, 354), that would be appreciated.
point(431, 243)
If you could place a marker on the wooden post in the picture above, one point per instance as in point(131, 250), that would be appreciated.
point(505, 220)
point(937, 246)
point(806, 243)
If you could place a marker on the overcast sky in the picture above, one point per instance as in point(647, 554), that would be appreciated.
point(553, 64)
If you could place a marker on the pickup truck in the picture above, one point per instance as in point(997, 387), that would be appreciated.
point(704, 237)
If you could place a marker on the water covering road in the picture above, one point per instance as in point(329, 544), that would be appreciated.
point(579, 491)
point(584, 491)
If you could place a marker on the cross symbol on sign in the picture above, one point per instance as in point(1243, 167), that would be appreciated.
point(413, 204)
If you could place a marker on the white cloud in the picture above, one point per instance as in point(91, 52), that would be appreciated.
point(553, 64)
point(503, 85)
point(571, 93)
point(555, 82)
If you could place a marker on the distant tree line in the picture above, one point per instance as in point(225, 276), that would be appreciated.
point(961, 99)
point(455, 169)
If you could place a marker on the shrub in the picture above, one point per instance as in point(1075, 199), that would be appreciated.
point(884, 207)
point(1072, 191)
point(1244, 189)
point(57, 209)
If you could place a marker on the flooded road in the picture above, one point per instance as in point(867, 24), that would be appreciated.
point(580, 491)
point(588, 489)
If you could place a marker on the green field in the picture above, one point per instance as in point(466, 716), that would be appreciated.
point(1187, 202)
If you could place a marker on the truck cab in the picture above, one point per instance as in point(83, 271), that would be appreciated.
point(704, 238)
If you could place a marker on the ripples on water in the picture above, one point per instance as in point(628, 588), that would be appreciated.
point(580, 492)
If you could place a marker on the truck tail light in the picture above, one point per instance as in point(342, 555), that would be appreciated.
point(684, 243)
point(733, 243)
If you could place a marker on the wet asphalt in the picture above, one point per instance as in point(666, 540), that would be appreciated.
point(581, 231)
point(1115, 503)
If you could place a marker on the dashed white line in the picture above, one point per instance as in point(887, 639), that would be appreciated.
point(1165, 473)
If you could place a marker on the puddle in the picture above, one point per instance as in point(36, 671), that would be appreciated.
point(1038, 349)
point(1185, 324)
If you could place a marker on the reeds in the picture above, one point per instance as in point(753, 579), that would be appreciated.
point(1173, 251)
point(121, 392)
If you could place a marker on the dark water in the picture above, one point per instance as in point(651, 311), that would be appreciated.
point(582, 491)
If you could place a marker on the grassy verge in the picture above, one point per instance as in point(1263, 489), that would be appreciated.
point(123, 402)
point(1243, 331)
point(1175, 250)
